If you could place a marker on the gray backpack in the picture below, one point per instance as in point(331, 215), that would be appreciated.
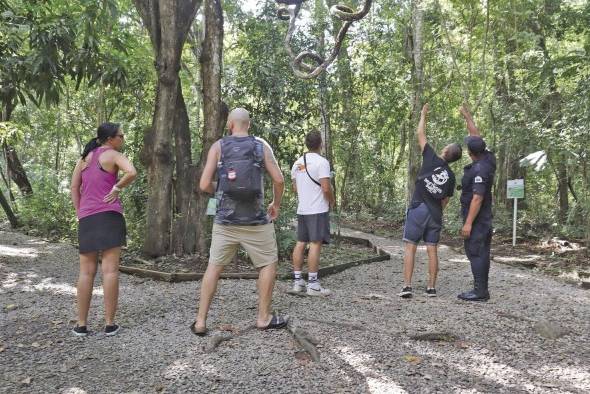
point(240, 168)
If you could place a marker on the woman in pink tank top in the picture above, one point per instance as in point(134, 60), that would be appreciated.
point(101, 227)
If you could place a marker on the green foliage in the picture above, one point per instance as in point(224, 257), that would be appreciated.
point(286, 237)
point(526, 74)
point(49, 211)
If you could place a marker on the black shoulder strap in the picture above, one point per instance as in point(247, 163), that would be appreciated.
point(308, 174)
point(222, 156)
point(258, 150)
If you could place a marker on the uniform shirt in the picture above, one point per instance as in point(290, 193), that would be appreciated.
point(478, 178)
point(430, 161)
point(310, 196)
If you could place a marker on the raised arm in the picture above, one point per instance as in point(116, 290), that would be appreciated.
point(421, 130)
point(206, 181)
point(471, 128)
point(278, 182)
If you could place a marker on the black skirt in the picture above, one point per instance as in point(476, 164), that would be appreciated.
point(101, 231)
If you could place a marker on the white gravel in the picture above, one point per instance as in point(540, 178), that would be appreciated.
point(363, 330)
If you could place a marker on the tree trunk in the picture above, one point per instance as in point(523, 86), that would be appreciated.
point(16, 172)
point(14, 168)
point(184, 227)
point(214, 111)
point(9, 214)
point(168, 22)
point(552, 103)
point(418, 83)
point(562, 187)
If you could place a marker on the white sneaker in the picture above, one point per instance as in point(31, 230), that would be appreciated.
point(298, 286)
point(320, 291)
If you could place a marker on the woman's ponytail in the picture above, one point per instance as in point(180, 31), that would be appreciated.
point(103, 133)
point(90, 146)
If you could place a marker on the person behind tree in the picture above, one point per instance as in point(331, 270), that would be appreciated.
point(240, 217)
point(101, 227)
point(311, 181)
point(476, 209)
point(434, 186)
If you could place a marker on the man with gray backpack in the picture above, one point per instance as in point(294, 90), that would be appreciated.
point(240, 215)
point(434, 186)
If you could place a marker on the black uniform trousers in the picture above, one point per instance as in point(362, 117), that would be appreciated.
point(477, 249)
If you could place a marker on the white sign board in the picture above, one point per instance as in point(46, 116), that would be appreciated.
point(515, 188)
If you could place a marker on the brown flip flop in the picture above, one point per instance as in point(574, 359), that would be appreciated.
point(200, 333)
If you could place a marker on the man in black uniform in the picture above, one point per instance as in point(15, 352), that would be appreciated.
point(434, 185)
point(476, 209)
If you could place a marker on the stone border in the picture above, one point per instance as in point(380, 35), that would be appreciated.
point(174, 277)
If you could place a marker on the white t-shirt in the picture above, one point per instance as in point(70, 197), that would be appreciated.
point(310, 195)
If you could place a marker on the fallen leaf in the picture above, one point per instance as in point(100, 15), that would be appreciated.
point(26, 380)
point(462, 344)
point(10, 307)
point(227, 327)
point(303, 356)
point(56, 322)
point(35, 344)
point(412, 359)
point(372, 296)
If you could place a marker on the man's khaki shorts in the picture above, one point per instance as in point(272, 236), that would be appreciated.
point(259, 242)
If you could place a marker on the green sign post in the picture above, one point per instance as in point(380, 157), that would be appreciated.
point(515, 190)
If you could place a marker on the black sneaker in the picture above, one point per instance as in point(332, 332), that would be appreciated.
point(80, 331)
point(406, 292)
point(110, 331)
point(430, 292)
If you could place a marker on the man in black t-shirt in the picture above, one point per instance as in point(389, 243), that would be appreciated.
point(434, 186)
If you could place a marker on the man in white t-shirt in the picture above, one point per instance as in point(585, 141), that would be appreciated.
point(311, 181)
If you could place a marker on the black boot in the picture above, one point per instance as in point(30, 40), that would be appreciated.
point(479, 293)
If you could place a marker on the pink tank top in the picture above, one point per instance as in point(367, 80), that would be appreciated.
point(96, 184)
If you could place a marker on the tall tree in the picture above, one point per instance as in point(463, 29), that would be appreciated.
point(168, 23)
point(418, 88)
point(214, 110)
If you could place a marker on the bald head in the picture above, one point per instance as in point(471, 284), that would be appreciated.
point(238, 121)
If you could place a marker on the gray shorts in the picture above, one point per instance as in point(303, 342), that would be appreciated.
point(313, 228)
point(421, 226)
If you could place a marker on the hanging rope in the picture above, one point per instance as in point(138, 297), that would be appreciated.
point(308, 64)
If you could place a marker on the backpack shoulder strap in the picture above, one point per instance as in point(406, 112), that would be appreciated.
point(308, 174)
point(258, 150)
point(221, 143)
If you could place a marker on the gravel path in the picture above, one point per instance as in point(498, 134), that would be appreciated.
point(533, 336)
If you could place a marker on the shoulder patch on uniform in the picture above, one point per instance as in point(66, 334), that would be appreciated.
point(478, 179)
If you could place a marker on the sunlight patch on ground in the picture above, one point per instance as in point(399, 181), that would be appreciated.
point(377, 383)
point(531, 258)
point(18, 252)
point(177, 369)
point(572, 376)
point(74, 390)
point(61, 288)
point(14, 281)
point(484, 365)
point(461, 261)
